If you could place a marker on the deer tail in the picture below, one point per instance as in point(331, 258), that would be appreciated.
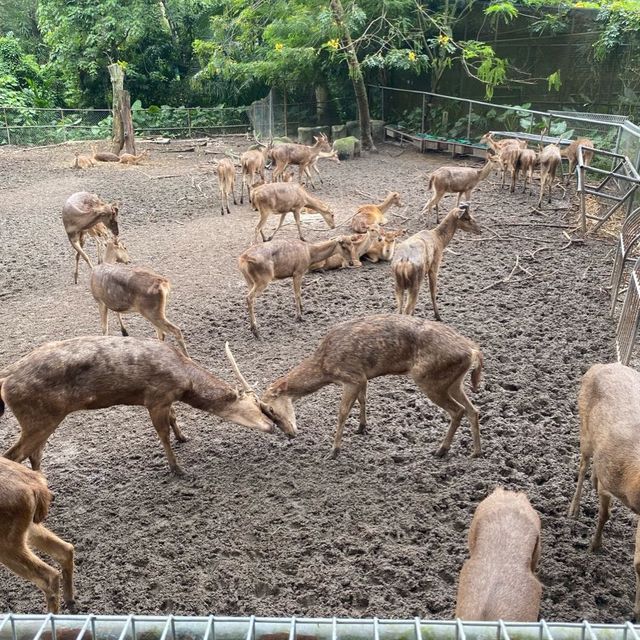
point(476, 374)
point(404, 273)
point(42, 497)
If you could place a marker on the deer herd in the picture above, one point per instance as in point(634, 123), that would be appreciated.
point(498, 580)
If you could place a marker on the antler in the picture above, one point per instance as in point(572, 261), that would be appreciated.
point(234, 365)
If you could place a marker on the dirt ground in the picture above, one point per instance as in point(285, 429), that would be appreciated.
point(267, 526)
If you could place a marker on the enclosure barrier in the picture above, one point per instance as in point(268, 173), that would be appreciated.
point(629, 317)
point(61, 627)
point(625, 249)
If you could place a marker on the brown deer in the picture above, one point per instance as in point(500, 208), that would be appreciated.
point(526, 163)
point(329, 155)
point(361, 244)
point(421, 255)
point(129, 158)
point(82, 162)
point(353, 352)
point(609, 406)
point(506, 152)
point(70, 376)
point(384, 249)
point(82, 211)
point(369, 214)
point(124, 289)
point(252, 163)
point(104, 156)
point(549, 159)
point(498, 581)
point(571, 153)
point(226, 172)
point(460, 180)
point(279, 199)
point(24, 504)
point(262, 263)
point(302, 155)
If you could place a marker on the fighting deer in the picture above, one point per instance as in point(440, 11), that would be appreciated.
point(124, 289)
point(369, 214)
point(498, 581)
point(289, 153)
point(129, 158)
point(571, 153)
point(435, 356)
point(82, 211)
point(280, 198)
point(24, 504)
point(226, 172)
point(262, 263)
point(460, 180)
point(609, 405)
point(421, 255)
point(252, 163)
point(72, 375)
point(549, 159)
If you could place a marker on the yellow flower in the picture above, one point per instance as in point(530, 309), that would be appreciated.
point(333, 44)
point(412, 56)
point(279, 46)
point(443, 40)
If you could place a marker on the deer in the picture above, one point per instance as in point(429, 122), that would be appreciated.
point(571, 153)
point(262, 263)
point(84, 210)
point(369, 214)
point(70, 376)
point(498, 580)
point(421, 255)
point(226, 172)
point(122, 289)
point(82, 162)
point(104, 156)
point(304, 156)
point(252, 163)
point(280, 198)
point(361, 242)
point(435, 356)
point(129, 158)
point(506, 151)
point(549, 159)
point(608, 406)
point(24, 504)
point(329, 155)
point(460, 180)
point(384, 249)
point(527, 163)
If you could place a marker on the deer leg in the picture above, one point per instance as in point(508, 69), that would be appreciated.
point(350, 393)
point(603, 516)
point(261, 223)
point(233, 193)
point(296, 215)
point(33, 437)
point(459, 197)
point(297, 292)
point(160, 417)
point(433, 288)
point(23, 562)
point(636, 566)
point(574, 508)
point(104, 318)
point(362, 401)
point(255, 291)
point(80, 253)
point(412, 296)
point(177, 432)
point(62, 552)
point(456, 391)
point(242, 185)
point(315, 168)
point(399, 297)
point(164, 326)
point(282, 217)
point(123, 329)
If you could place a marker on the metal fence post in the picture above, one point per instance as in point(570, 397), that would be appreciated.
point(284, 113)
point(6, 125)
point(424, 110)
point(189, 122)
point(64, 126)
point(382, 103)
point(469, 122)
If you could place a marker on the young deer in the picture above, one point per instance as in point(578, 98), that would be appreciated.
point(129, 158)
point(252, 163)
point(421, 255)
point(498, 581)
point(460, 180)
point(369, 214)
point(24, 504)
point(279, 198)
point(82, 162)
point(353, 352)
point(361, 242)
point(549, 159)
point(103, 156)
point(82, 211)
point(99, 372)
point(289, 153)
point(329, 155)
point(262, 263)
point(226, 172)
point(571, 153)
point(124, 289)
point(384, 249)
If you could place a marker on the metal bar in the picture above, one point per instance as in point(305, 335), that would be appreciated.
point(469, 122)
point(607, 196)
point(418, 628)
point(292, 629)
point(382, 103)
point(611, 174)
point(123, 634)
point(376, 630)
point(545, 628)
point(503, 630)
point(47, 619)
point(632, 630)
point(460, 634)
point(251, 633)
point(334, 629)
point(6, 124)
point(209, 630)
point(619, 176)
point(587, 627)
point(165, 631)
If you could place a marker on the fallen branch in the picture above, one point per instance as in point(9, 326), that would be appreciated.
point(364, 195)
point(533, 253)
point(535, 224)
point(516, 266)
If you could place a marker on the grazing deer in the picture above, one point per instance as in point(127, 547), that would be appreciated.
point(279, 198)
point(571, 153)
point(353, 352)
point(262, 263)
point(289, 153)
point(82, 211)
point(252, 163)
point(421, 255)
point(226, 172)
point(549, 159)
point(498, 581)
point(129, 158)
point(124, 289)
point(82, 162)
point(24, 504)
point(99, 372)
point(460, 180)
point(369, 214)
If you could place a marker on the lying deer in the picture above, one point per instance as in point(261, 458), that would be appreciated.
point(226, 172)
point(460, 180)
point(129, 158)
point(369, 214)
point(361, 244)
point(252, 163)
point(262, 263)
point(281, 198)
point(384, 249)
point(421, 255)
point(571, 153)
point(289, 153)
point(124, 289)
point(24, 504)
point(82, 162)
point(71, 376)
point(104, 156)
point(353, 352)
point(549, 159)
point(498, 581)
point(82, 211)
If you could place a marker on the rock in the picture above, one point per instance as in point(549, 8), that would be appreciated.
point(305, 135)
point(338, 131)
point(353, 128)
point(347, 148)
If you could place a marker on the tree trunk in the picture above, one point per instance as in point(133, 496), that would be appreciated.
point(117, 83)
point(322, 104)
point(127, 124)
point(355, 73)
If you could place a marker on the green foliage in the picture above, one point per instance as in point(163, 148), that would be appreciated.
point(554, 81)
point(502, 10)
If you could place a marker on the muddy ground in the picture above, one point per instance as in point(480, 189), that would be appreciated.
point(267, 526)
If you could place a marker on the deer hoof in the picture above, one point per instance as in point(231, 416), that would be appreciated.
point(71, 606)
point(178, 471)
point(362, 430)
point(125, 333)
point(476, 454)
point(441, 452)
point(254, 330)
point(334, 454)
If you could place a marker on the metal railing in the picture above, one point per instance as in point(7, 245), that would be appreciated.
point(629, 322)
point(89, 627)
point(627, 245)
